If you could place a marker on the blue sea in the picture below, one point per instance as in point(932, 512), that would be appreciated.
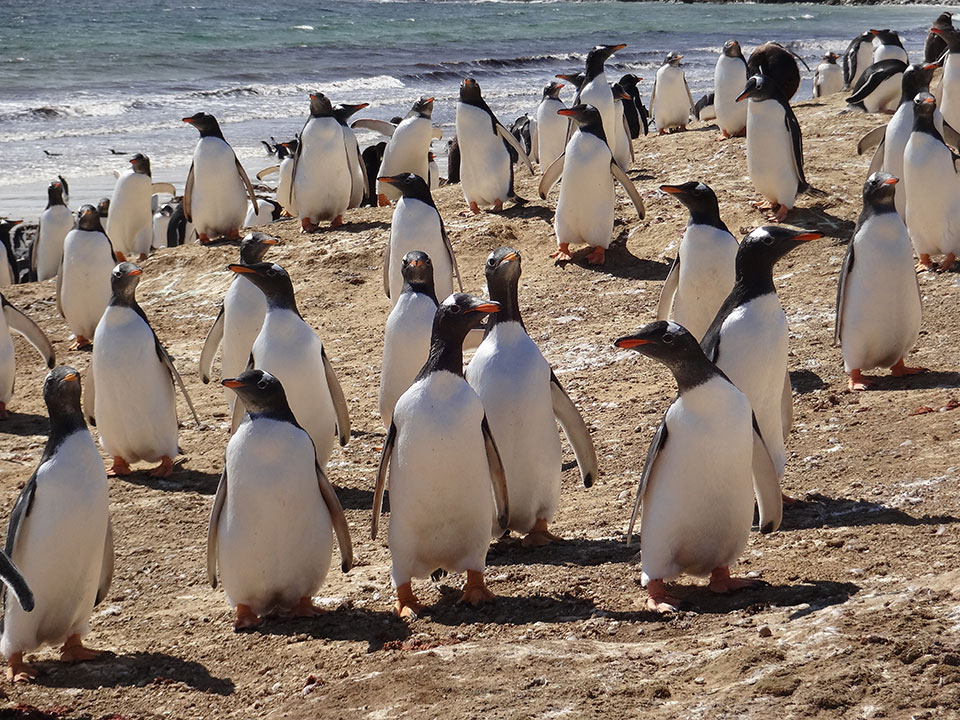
point(93, 81)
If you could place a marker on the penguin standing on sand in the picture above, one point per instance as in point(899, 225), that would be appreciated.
point(624, 144)
point(486, 172)
point(729, 78)
point(629, 83)
point(887, 46)
point(779, 65)
point(523, 401)
point(286, 152)
point(551, 133)
point(274, 512)
point(215, 197)
point(671, 101)
point(161, 222)
point(703, 273)
point(55, 222)
point(695, 487)
point(857, 58)
point(130, 224)
point(60, 537)
point(442, 460)
point(358, 172)
point(585, 207)
point(878, 89)
point(13, 319)
point(878, 299)
point(828, 77)
point(594, 90)
point(372, 156)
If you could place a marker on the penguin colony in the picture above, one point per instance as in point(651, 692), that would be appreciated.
point(473, 452)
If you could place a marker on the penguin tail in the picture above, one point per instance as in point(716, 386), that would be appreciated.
point(810, 190)
point(519, 200)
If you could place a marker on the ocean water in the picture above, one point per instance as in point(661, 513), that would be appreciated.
point(85, 84)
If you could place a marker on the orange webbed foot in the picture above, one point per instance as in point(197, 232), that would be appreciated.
point(539, 535)
point(74, 651)
point(82, 342)
point(563, 253)
point(164, 469)
point(306, 608)
point(659, 600)
point(119, 468)
point(308, 226)
point(475, 591)
point(947, 263)
point(336, 222)
point(246, 618)
point(203, 239)
point(924, 263)
point(18, 671)
point(407, 605)
point(859, 381)
point(901, 370)
point(3, 411)
point(383, 200)
point(721, 582)
point(779, 213)
point(597, 256)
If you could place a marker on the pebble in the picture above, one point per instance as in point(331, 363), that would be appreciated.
point(764, 631)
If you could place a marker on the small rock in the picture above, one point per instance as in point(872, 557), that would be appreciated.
point(764, 631)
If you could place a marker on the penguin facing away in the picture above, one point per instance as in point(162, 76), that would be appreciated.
point(828, 77)
point(9, 267)
point(130, 223)
point(442, 460)
point(629, 83)
point(729, 78)
point(358, 171)
point(551, 133)
point(779, 65)
point(935, 46)
point(878, 89)
point(270, 531)
point(13, 319)
point(695, 488)
point(55, 222)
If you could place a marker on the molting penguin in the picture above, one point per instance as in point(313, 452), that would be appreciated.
point(878, 89)
point(585, 207)
point(130, 223)
point(828, 77)
point(729, 78)
point(695, 487)
point(779, 65)
point(270, 527)
point(935, 46)
point(442, 460)
point(595, 91)
point(60, 537)
point(887, 46)
point(551, 135)
point(13, 319)
point(215, 197)
point(523, 401)
point(55, 222)
point(638, 114)
point(857, 58)
point(878, 299)
point(358, 171)
point(671, 101)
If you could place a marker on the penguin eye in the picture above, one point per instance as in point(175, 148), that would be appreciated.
point(768, 240)
point(263, 384)
point(667, 338)
point(455, 309)
point(271, 272)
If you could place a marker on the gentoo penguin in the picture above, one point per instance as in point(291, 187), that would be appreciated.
point(729, 78)
point(857, 58)
point(887, 46)
point(522, 129)
point(703, 272)
point(9, 267)
point(750, 318)
point(671, 101)
point(695, 488)
point(161, 223)
point(130, 224)
point(950, 83)
point(878, 299)
point(624, 154)
point(828, 77)
point(417, 225)
point(215, 198)
point(358, 171)
point(779, 65)
point(595, 91)
point(442, 460)
point(286, 152)
point(372, 156)
point(83, 281)
point(60, 537)
point(130, 390)
point(406, 338)
point(433, 170)
point(240, 318)
point(55, 222)
point(551, 136)
point(453, 161)
point(935, 46)
point(574, 79)
point(705, 109)
point(933, 189)
point(523, 400)
point(878, 89)
point(268, 211)
point(290, 350)
point(774, 146)
point(585, 207)
point(103, 208)
point(635, 112)
point(486, 172)
point(178, 229)
point(270, 527)
point(13, 319)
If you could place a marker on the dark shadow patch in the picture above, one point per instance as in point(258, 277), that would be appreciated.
point(375, 627)
point(357, 499)
point(816, 511)
point(25, 424)
point(575, 552)
point(806, 381)
point(504, 610)
point(817, 218)
point(182, 480)
point(620, 262)
point(528, 210)
point(929, 380)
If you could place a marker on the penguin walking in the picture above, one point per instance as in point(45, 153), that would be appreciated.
point(949, 102)
point(629, 83)
point(275, 511)
point(13, 319)
point(585, 207)
point(486, 172)
point(551, 134)
point(60, 537)
point(857, 58)
point(358, 171)
point(828, 77)
point(887, 46)
point(286, 153)
point(290, 350)
point(878, 89)
point(878, 299)
point(703, 273)
point(594, 90)
point(442, 460)
point(215, 197)
point(695, 488)
point(671, 101)
point(130, 392)
point(55, 222)
point(130, 224)
point(523, 401)
point(729, 79)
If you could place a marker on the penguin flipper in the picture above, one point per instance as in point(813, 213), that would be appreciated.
point(669, 290)
point(339, 401)
point(273, 169)
point(188, 196)
point(510, 140)
point(164, 189)
point(13, 579)
point(796, 138)
point(628, 185)
point(213, 527)
point(378, 126)
point(842, 290)
point(89, 398)
point(644, 117)
point(950, 136)
point(449, 246)
point(23, 325)
point(33, 251)
point(381, 484)
point(871, 139)
point(550, 177)
point(689, 95)
point(576, 431)
point(340, 526)
point(106, 569)
point(20, 513)
point(66, 189)
point(59, 287)
point(876, 162)
point(498, 476)
point(247, 184)
point(656, 445)
point(786, 406)
point(766, 484)
point(386, 269)
point(626, 127)
point(210, 347)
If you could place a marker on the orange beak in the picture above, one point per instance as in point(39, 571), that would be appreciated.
point(628, 343)
point(188, 120)
point(566, 112)
point(270, 241)
point(242, 269)
point(485, 308)
point(134, 272)
point(808, 236)
point(891, 181)
point(386, 179)
point(671, 189)
point(71, 377)
point(232, 383)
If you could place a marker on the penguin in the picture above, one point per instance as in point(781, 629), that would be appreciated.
point(433, 170)
point(55, 222)
point(240, 318)
point(704, 270)
point(774, 146)
point(290, 350)
point(60, 537)
point(161, 223)
point(695, 487)
point(453, 162)
point(629, 83)
point(595, 91)
point(629, 107)
point(950, 82)
point(103, 208)
point(887, 46)
point(13, 319)
point(268, 211)
point(729, 79)
point(83, 280)
point(624, 155)
point(417, 225)
point(130, 223)
point(486, 172)
point(358, 172)
point(138, 424)
point(751, 318)
point(705, 108)
point(406, 338)
point(586, 203)
point(878, 89)
point(780, 65)
point(442, 460)
point(372, 156)
point(9, 267)
point(671, 101)
point(551, 135)
point(828, 78)
point(178, 230)
point(878, 298)
point(274, 511)
point(574, 79)
point(857, 58)
point(215, 197)
point(521, 130)
point(935, 46)
point(523, 401)
point(286, 153)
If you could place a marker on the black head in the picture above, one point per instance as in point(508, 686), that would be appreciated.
point(207, 125)
point(410, 185)
point(61, 393)
point(417, 270)
point(423, 107)
point(552, 90)
point(344, 111)
point(291, 146)
point(123, 283)
point(759, 87)
point(261, 392)
point(618, 92)
point(469, 90)
point(830, 57)
point(698, 197)
point(103, 207)
point(55, 193)
point(140, 164)
point(585, 116)
point(731, 48)
point(950, 35)
point(760, 250)
point(924, 106)
point(272, 280)
point(944, 20)
point(320, 105)
point(89, 219)
point(254, 246)
point(576, 79)
point(916, 80)
point(629, 82)
point(879, 190)
point(598, 56)
point(166, 210)
point(886, 37)
point(671, 344)
point(459, 314)
point(673, 59)
point(502, 268)
point(5, 227)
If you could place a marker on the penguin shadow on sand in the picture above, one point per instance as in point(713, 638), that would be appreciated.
point(516, 610)
point(620, 262)
point(816, 218)
point(25, 424)
point(376, 627)
point(804, 382)
point(815, 510)
point(182, 480)
point(508, 551)
point(357, 499)
point(932, 379)
point(528, 211)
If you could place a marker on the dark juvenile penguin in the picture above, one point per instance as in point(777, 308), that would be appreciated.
point(372, 156)
point(780, 65)
point(453, 161)
point(629, 83)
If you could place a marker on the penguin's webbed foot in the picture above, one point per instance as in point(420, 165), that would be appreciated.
point(661, 131)
point(81, 342)
point(947, 263)
point(660, 601)
point(306, 608)
point(474, 208)
point(18, 671)
point(721, 582)
point(203, 239)
point(407, 605)
point(597, 256)
point(119, 468)
point(246, 619)
point(234, 235)
point(497, 206)
point(762, 204)
point(539, 535)
point(3, 411)
point(901, 370)
point(383, 200)
point(308, 226)
point(74, 651)
point(779, 213)
point(475, 591)
point(724, 135)
point(336, 222)
point(859, 381)
point(924, 263)
point(563, 253)
point(164, 469)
